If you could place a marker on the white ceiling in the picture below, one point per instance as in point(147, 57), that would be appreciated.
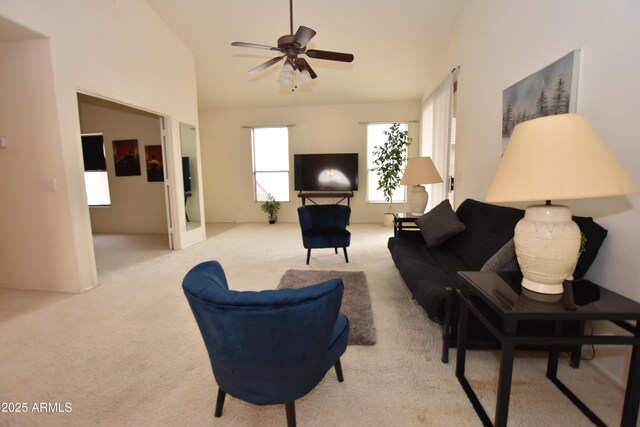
point(394, 43)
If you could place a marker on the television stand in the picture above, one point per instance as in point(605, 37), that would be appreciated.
point(342, 195)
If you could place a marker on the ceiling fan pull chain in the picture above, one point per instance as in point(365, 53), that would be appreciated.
point(294, 82)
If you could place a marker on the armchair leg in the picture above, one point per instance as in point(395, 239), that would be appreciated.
point(338, 368)
point(219, 403)
point(308, 255)
point(290, 408)
point(336, 250)
point(346, 257)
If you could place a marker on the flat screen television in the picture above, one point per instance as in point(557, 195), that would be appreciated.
point(326, 172)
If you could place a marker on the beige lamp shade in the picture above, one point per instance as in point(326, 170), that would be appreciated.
point(558, 157)
point(420, 170)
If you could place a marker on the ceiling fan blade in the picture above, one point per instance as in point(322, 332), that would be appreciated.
point(303, 35)
point(253, 45)
point(266, 65)
point(331, 56)
point(302, 64)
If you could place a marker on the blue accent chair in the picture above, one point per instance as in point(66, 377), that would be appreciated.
point(325, 226)
point(268, 347)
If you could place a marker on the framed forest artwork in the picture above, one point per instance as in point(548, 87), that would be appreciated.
point(126, 157)
point(155, 169)
point(552, 90)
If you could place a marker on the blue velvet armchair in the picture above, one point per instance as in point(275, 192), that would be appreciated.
point(267, 347)
point(325, 226)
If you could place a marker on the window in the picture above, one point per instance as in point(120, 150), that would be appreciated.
point(96, 180)
point(438, 136)
point(271, 163)
point(375, 138)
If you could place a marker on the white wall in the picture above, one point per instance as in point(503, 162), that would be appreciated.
point(137, 205)
point(119, 50)
point(226, 152)
point(33, 224)
point(499, 42)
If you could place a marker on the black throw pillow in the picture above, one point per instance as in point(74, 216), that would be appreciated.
point(439, 224)
point(503, 260)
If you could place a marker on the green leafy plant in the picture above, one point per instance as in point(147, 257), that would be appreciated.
point(583, 244)
point(389, 159)
point(271, 207)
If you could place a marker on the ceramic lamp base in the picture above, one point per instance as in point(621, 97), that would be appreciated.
point(417, 198)
point(547, 243)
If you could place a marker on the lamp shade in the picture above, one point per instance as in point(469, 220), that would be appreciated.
point(420, 170)
point(558, 157)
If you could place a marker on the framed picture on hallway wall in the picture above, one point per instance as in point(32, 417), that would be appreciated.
point(153, 157)
point(550, 91)
point(126, 157)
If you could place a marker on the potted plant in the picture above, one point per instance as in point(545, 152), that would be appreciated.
point(271, 207)
point(388, 161)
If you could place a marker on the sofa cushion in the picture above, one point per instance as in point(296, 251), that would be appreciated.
point(488, 228)
point(439, 224)
point(503, 260)
point(427, 272)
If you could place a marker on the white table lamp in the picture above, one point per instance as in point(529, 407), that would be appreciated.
point(554, 158)
point(419, 170)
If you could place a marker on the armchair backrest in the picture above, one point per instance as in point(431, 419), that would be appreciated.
point(331, 216)
point(265, 347)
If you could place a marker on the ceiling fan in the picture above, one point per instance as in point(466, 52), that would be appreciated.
point(291, 46)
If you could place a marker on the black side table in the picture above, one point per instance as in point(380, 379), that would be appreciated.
point(404, 221)
point(582, 300)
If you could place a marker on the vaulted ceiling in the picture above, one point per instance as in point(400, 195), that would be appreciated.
point(394, 43)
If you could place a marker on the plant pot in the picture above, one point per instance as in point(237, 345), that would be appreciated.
point(387, 219)
point(273, 220)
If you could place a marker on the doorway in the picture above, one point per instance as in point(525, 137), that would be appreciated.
point(125, 171)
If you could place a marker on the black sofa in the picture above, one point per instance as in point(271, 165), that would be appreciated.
point(430, 274)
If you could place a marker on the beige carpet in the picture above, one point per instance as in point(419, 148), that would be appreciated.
point(129, 352)
point(356, 302)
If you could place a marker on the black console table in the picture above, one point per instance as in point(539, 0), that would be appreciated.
point(342, 195)
point(502, 294)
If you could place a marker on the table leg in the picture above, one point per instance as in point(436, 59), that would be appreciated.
point(632, 394)
point(462, 339)
point(554, 353)
point(504, 379)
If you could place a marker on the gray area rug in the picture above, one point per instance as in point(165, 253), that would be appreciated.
point(356, 302)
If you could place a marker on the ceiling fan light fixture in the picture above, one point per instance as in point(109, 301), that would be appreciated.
point(285, 80)
point(287, 68)
point(305, 76)
point(290, 47)
point(286, 75)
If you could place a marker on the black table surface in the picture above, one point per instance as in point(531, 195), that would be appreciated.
point(581, 300)
point(406, 216)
